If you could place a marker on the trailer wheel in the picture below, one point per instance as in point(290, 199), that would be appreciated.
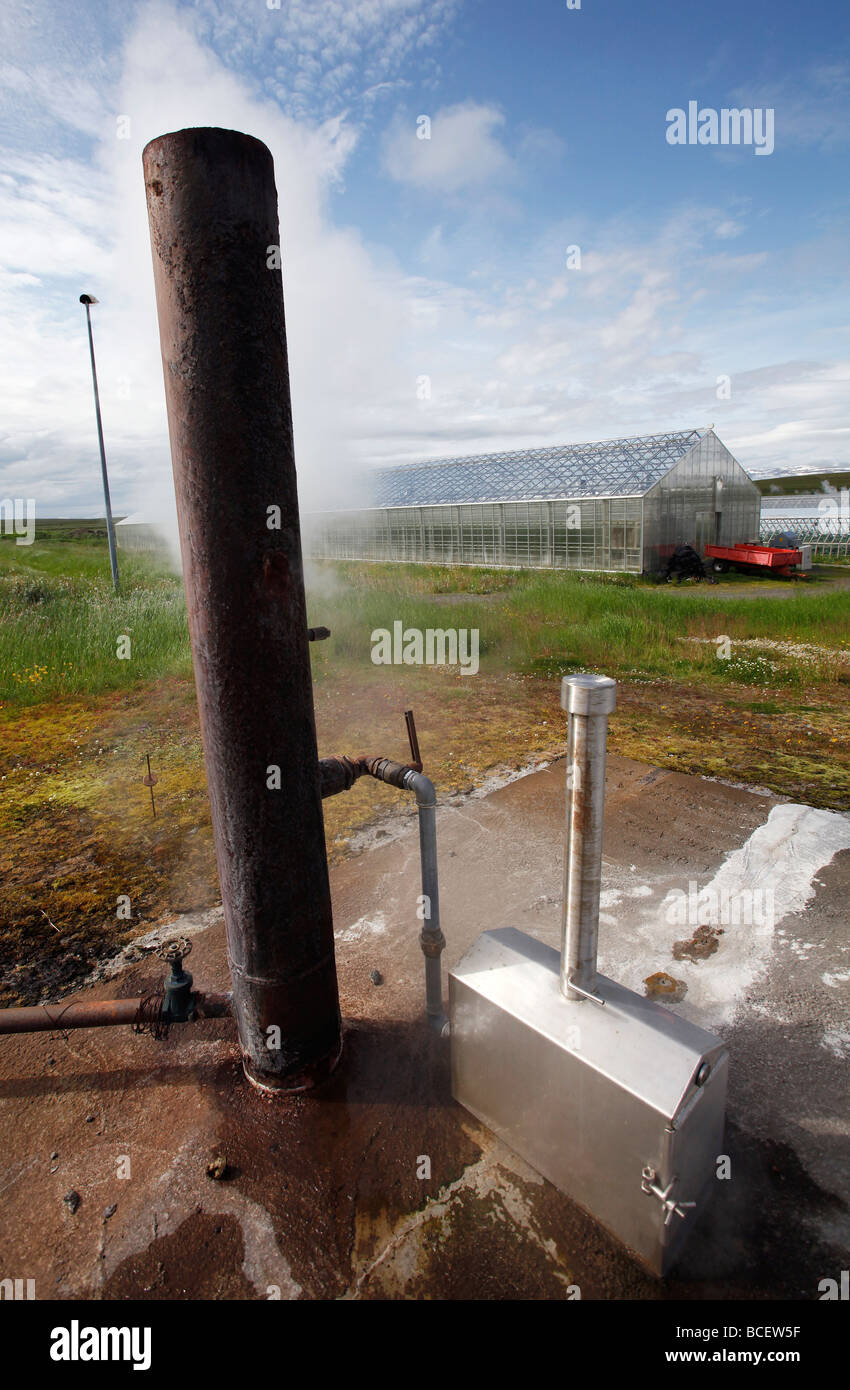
point(720, 566)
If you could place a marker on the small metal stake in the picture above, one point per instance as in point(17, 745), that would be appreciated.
point(151, 781)
point(415, 755)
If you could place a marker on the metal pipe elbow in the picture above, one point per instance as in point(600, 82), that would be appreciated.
point(426, 794)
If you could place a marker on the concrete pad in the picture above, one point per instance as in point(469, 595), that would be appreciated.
point(379, 1185)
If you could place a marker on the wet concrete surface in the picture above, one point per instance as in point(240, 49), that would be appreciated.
point(379, 1186)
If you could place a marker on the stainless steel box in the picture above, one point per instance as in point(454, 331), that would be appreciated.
point(621, 1106)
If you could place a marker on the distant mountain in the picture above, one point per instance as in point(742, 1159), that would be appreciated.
point(802, 484)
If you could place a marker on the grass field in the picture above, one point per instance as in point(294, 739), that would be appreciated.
point(62, 627)
point(549, 622)
point(77, 719)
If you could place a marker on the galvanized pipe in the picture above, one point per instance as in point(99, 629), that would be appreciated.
point(340, 774)
point(588, 701)
point(100, 1013)
point(212, 207)
point(431, 937)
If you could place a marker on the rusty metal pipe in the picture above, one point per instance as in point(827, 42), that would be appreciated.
point(99, 1013)
point(212, 208)
point(339, 774)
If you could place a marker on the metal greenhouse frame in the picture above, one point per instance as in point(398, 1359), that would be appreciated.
point(620, 504)
point(829, 537)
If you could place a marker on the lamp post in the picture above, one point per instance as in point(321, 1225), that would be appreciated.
point(88, 300)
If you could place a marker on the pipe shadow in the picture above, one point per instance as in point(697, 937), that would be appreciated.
point(146, 1069)
point(386, 1062)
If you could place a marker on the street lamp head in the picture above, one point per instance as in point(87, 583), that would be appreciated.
point(88, 299)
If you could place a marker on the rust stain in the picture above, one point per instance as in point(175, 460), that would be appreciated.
point(276, 573)
point(664, 986)
point(702, 944)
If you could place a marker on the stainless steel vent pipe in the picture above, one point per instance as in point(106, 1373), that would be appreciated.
point(623, 1113)
point(588, 701)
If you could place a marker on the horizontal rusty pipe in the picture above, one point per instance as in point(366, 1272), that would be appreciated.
point(212, 207)
point(101, 1013)
point(339, 774)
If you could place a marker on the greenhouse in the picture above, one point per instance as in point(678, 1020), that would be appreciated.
point(620, 504)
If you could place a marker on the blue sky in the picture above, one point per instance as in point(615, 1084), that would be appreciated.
point(445, 259)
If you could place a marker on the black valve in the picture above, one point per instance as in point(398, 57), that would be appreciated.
point(178, 1006)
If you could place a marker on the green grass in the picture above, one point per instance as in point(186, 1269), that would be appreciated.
point(58, 558)
point(60, 622)
point(547, 622)
point(641, 628)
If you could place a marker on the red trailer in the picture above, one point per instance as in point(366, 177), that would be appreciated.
point(749, 556)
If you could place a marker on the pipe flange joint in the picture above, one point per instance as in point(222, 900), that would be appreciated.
point(432, 944)
point(588, 694)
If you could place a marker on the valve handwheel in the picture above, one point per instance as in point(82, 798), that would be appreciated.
point(174, 950)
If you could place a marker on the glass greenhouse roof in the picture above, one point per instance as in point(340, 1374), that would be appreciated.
point(610, 468)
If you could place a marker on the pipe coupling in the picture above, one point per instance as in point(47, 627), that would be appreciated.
point(432, 943)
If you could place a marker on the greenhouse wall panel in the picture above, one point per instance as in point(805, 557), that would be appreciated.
point(673, 489)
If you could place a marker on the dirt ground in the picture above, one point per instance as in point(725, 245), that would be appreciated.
point(323, 1196)
point(85, 866)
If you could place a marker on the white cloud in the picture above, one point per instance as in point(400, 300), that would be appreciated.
point(638, 323)
point(519, 350)
point(327, 53)
point(73, 227)
point(52, 215)
point(540, 145)
point(811, 107)
point(463, 151)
